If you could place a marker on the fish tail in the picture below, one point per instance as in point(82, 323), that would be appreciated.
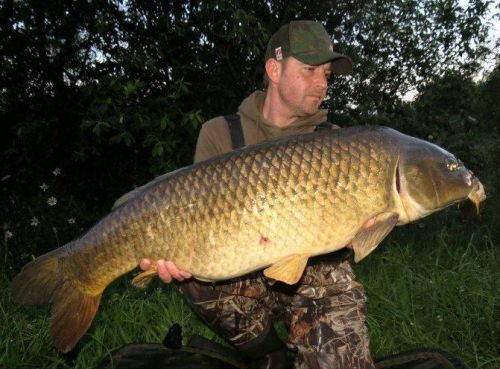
point(44, 281)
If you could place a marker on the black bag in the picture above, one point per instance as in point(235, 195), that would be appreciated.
point(201, 353)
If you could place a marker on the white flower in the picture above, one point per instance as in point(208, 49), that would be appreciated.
point(8, 234)
point(56, 172)
point(34, 222)
point(44, 187)
point(51, 201)
point(71, 220)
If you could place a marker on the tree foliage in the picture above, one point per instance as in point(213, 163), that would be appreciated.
point(113, 92)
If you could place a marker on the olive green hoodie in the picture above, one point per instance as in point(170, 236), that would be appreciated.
point(215, 139)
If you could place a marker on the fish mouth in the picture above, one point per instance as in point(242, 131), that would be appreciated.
point(477, 195)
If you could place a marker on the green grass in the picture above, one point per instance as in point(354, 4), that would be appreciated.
point(436, 291)
point(429, 285)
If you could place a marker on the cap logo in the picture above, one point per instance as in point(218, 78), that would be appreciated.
point(277, 52)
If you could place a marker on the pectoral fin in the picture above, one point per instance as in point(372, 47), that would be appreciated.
point(369, 238)
point(142, 280)
point(289, 269)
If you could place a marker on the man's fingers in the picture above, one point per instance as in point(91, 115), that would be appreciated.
point(173, 270)
point(167, 270)
point(163, 272)
point(145, 264)
point(177, 273)
point(184, 274)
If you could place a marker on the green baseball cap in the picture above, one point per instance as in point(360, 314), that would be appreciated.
point(308, 42)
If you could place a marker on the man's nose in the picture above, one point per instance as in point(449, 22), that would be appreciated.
point(321, 80)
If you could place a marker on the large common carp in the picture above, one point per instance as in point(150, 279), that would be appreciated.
point(271, 205)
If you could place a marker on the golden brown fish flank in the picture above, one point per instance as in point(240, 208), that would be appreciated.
point(270, 205)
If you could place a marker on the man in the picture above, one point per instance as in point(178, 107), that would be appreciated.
point(326, 309)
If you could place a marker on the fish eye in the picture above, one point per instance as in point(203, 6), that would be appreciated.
point(453, 165)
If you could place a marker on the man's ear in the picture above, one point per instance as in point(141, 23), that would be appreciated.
point(273, 70)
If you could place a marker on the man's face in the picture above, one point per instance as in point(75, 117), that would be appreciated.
point(302, 87)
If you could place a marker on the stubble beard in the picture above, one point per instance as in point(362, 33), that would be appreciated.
point(300, 106)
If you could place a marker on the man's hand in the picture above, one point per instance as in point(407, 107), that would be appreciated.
point(167, 270)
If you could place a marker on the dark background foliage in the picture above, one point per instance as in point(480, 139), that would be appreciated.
point(113, 92)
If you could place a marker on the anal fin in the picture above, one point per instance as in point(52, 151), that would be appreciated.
point(289, 269)
point(367, 239)
point(142, 280)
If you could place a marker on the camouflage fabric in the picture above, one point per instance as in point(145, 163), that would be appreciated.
point(325, 312)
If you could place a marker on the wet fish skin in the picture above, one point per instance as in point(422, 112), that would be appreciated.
point(276, 203)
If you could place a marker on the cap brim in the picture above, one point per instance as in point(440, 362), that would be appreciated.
point(341, 64)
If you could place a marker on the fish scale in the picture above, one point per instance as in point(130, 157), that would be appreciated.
point(293, 186)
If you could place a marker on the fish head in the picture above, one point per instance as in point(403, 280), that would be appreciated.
point(430, 178)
